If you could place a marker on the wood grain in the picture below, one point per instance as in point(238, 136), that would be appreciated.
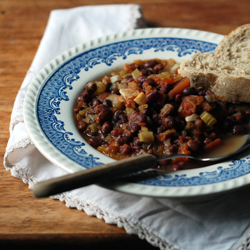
point(24, 220)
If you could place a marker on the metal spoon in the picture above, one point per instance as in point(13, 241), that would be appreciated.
point(111, 171)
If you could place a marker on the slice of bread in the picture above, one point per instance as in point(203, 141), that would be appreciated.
point(226, 72)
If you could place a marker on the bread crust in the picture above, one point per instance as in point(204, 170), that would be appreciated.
point(238, 32)
point(237, 90)
point(213, 72)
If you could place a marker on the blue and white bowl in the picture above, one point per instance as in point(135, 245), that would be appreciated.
point(50, 99)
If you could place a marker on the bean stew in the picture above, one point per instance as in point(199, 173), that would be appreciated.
point(148, 108)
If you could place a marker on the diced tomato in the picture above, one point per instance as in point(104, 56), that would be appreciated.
point(128, 67)
point(206, 106)
point(112, 149)
point(155, 78)
point(162, 137)
point(183, 149)
point(103, 96)
point(116, 132)
point(167, 81)
point(189, 104)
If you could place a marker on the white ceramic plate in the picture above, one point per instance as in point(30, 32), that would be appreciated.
point(49, 102)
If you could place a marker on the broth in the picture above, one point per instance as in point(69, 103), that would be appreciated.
point(230, 145)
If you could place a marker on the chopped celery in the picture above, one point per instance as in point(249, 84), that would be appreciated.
point(143, 151)
point(116, 104)
point(101, 148)
point(184, 133)
point(144, 106)
point(114, 86)
point(91, 117)
point(136, 73)
point(115, 78)
point(146, 136)
point(129, 93)
point(108, 138)
point(208, 119)
point(141, 99)
point(148, 88)
point(83, 111)
point(125, 75)
point(122, 73)
point(129, 111)
point(122, 85)
point(101, 87)
point(93, 127)
point(164, 75)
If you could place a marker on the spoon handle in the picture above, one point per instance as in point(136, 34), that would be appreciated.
point(94, 175)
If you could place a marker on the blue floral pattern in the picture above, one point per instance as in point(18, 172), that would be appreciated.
point(55, 90)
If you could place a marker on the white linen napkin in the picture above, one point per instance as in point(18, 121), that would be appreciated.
point(218, 223)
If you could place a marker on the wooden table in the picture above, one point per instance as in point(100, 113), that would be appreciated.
point(24, 220)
